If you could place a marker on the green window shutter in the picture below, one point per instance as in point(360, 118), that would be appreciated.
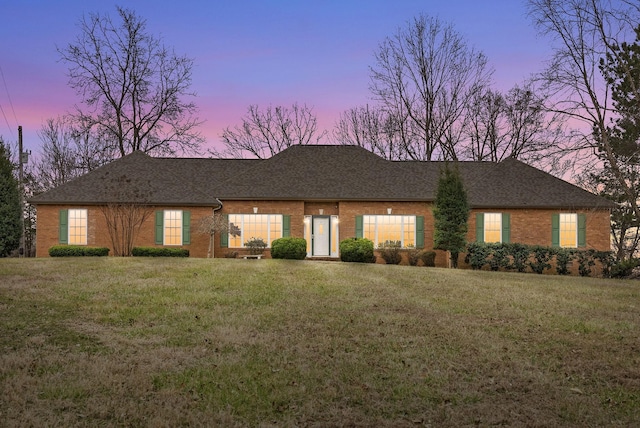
point(224, 236)
point(359, 227)
point(582, 230)
point(555, 230)
point(419, 231)
point(506, 228)
point(286, 226)
point(159, 227)
point(479, 227)
point(186, 227)
point(63, 231)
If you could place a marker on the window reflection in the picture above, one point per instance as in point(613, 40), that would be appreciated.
point(382, 228)
point(243, 227)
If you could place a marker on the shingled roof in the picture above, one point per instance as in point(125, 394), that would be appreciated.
point(316, 173)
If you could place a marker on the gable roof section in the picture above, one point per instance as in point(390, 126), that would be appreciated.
point(133, 178)
point(512, 183)
point(313, 173)
point(321, 172)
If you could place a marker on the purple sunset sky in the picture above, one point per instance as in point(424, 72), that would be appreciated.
point(275, 52)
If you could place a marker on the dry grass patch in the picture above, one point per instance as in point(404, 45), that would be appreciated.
point(167, 342)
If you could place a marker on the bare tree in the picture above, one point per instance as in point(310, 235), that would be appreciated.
point(215, 223)
point(263, 133)
point(57, 162)
point(132, 86)
point(512, 125)
point(68, 151)
point(586, 32)
point(374, 129)
point(126, 210)
point(426, 74)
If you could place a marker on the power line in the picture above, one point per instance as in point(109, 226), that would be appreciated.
point(10, 103)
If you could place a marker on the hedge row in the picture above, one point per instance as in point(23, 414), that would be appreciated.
point(521, 257)
point(159, 252)
point(391, 252)
point(77, 251)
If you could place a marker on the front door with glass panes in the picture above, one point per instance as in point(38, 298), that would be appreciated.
point(321, 236)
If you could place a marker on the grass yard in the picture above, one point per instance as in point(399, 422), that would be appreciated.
point(195, 342)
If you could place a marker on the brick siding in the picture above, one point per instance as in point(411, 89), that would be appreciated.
point(527, 226)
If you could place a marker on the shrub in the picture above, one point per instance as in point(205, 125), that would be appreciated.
point(477, 255)
point(541, 257)
point(607, 261)
point(563, 257)
point(77, 251)
point(413, 255)
point(585, 262)
point(256, 245)
point(231, 254)
point(390, 252)
point(159, 252)
point(428, 258)
point(623, 268)
point(359, 250)
point(289, 248)
point(519, 256)
point(499, 256)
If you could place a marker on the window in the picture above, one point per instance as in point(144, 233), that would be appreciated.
point(173, 227)
point(77, 232)
point(493, 227)
point(382, 228)
point(568, 230)
point(243, 227)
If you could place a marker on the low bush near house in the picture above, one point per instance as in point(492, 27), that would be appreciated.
point(359, 250)
point(428, 258)
point(159, 252)
point(413, 256)
point(231, 254)
point(563, 257)
point(256, 245)
point(477, 255)
point(77, 251)
point(519, 254)
point(289, 248)
point(390, 252)
point(541, 258)
point(624, 268)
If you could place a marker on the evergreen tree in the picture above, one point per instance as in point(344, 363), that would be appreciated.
point(621, 69)
point(10, 223)
point(451, 212)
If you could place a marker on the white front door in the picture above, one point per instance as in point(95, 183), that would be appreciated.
point(321, 236)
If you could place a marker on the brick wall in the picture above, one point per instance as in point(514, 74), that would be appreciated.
point(48, 217)
point(527, 226)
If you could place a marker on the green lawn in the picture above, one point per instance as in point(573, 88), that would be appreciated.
point(190, 342)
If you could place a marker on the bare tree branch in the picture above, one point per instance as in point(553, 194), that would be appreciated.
point(426, 74)
point(264, 133)
point(132, 86)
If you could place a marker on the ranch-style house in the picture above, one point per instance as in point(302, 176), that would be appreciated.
point(323, 193)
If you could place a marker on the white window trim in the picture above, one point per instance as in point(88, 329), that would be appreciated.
point(575, 222)
point(499, 228)
point(244, 239)
point(164, 228)
point(86, 226)
point(402, 226)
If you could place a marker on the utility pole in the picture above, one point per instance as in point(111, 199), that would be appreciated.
point(23, 157)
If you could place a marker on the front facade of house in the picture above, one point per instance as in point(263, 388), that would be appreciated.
point(322, 193)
